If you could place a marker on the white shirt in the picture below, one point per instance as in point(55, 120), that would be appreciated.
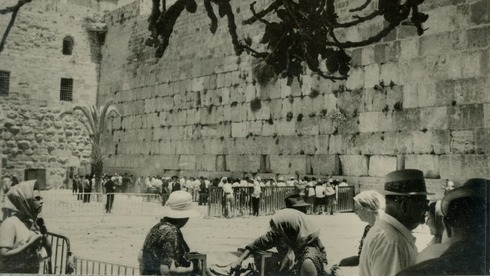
point(319, 191)
point(227, 188)
point(388, 248)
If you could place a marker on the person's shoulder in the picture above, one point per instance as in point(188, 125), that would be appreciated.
point(11, 223)
point(429, 267)
point(383, 233)
point(432, 251)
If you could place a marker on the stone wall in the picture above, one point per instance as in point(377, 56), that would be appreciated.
point(410, 102)
point(32, 136)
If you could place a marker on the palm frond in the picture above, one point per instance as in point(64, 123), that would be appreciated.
point(105, 110)
point(88, 115)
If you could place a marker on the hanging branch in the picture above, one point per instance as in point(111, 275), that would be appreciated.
point(301, 34)
point(256, 16)
point(14, 10)
point(361, 7)
point(214, 21)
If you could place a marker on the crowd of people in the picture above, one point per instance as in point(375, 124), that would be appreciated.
point(387, 246)
point(458, 223)
point(321, 194)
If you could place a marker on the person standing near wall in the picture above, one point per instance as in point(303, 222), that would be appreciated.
point(7, 207)
point(86, 188)
point(110, 189)
point(256, 198)
point(229, 197)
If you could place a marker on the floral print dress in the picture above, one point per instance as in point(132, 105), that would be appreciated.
point(163, 245)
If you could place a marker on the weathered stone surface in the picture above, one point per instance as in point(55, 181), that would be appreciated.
point(380, 165)
point(325, 164)
point(463, 141)
point(407, 99)
point(355, 165)
point(429, 164)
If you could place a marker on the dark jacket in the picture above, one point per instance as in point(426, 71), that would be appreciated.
point(461, 258)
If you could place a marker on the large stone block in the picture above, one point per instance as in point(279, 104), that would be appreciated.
point(466, 116)
point(371, 75)
point(368, 121)
point(462, 167)
point(285, 128)
point(280, 164)
point(322, 144)
point(429, 164)
point(165, 162)
point(298, 164)
point(325, 164)
point(308, 126)
point(380, 165)
point(478, 37)
point(389, 73)
point(371, 183)
point(463, 141)
point(482, 141)
point(480, 11)
point(434, 118)
point(289, 145)
point(187, 162)
point(354, 165)
point(239, 130)
point(406, 120)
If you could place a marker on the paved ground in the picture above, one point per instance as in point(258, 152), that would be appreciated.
point(117, 239)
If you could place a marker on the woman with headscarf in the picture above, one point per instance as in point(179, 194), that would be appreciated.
point(295, 237)
point(300, 235)
point(165, 252)
point(21, 237)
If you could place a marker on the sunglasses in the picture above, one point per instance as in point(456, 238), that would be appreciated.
point(38, 198)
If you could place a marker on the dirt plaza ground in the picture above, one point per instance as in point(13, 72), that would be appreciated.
point(117, 238)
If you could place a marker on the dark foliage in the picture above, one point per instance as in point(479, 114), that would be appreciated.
point(301, 36)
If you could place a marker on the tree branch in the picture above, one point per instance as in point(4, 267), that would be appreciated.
point(256, 16)
point(214, 20)
point(361, 7)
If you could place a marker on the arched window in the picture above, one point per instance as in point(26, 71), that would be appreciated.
point(68, 45)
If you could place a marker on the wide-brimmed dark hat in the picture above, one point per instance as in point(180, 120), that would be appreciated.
point(475, 188)
point(405, 182)
point(294, 201)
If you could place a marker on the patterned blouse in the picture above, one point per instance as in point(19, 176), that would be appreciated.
point(164, 244)
point(314, 254)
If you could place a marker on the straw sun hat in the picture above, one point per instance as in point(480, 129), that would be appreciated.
point(179, 205)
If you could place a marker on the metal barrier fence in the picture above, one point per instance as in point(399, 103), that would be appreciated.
point(345, 202)
point(64, 203)
point(58, 263)
point(91, 267)
point(271, 199)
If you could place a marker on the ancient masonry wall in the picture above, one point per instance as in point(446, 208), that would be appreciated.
point(32, 137)
point(410, 102)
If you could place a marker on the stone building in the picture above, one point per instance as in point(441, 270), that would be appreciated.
point(410, 101)
point(50, 63)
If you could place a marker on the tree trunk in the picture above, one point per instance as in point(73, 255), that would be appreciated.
point(97, 167)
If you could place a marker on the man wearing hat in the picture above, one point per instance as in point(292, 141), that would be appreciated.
point(389, 246)
point(466, 220)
